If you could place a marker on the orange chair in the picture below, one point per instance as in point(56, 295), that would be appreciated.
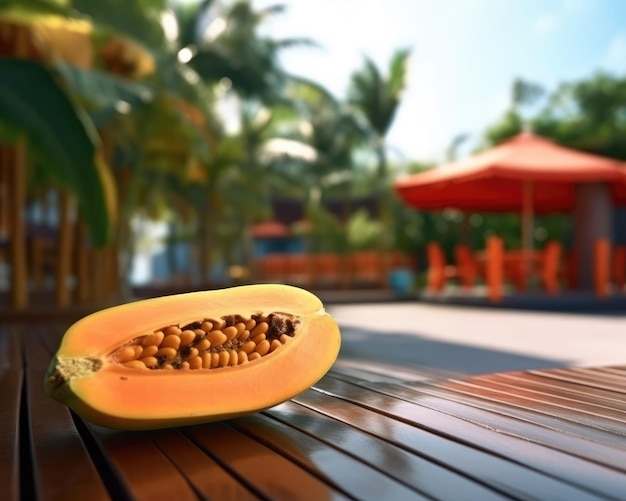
point(438, 270)
point(550, 266)
point(494, 268)
point(547, 269)
point(466, 265)
point(619, 267)
point(601, 267)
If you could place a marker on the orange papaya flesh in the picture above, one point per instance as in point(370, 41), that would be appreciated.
point(194, 357)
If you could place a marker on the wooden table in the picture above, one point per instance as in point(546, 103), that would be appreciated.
point(517, 265)
point(515, 259)
point(362, 432)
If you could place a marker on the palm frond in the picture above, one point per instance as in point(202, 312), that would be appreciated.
point(32, 102)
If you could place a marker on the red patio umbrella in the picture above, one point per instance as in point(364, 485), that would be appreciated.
point(527, 174)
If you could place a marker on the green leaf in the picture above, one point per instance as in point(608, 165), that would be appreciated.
point(398, 70)
point(104, 95)
point(136, 19)
point(32, 102)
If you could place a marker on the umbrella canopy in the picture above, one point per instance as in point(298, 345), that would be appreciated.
point(269, 229)
point(525, 170)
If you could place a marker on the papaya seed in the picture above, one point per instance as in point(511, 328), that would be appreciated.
point(209, 343)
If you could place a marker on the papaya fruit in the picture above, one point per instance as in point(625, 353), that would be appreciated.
point(193, 357)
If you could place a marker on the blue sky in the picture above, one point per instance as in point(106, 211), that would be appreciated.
point(466, 54)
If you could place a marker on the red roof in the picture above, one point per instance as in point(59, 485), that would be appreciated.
point(269, 229)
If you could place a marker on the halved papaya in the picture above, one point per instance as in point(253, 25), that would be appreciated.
point(193, 357)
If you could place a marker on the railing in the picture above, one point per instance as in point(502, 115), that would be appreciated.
point(332, 270)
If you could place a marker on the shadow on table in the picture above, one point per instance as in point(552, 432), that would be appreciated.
point(410, 350)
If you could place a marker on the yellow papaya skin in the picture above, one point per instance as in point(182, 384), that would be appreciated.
point(140, 366)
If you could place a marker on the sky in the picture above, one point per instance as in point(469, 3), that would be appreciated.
point(465, 55)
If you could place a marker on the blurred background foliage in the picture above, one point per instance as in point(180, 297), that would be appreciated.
point(187, 112)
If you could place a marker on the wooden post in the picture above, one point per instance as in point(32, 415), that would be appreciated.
point(115, 269)
point(18, 250)
point(5, 209)
point(5, 195)
point(82, 263)
point(65, 247)
point(527, 227)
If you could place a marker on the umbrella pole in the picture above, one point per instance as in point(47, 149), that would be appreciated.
point(527, 216)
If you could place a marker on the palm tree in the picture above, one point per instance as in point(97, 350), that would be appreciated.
point(38, 105)
point(223, 48)
point(377, 98)
point(225, 45)
point(317, 159)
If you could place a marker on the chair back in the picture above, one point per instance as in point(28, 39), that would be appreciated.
point(551, 266)
point(435, 255)
point(436, 266)
point(494, 268)
point(466, 265)
point(601, 267)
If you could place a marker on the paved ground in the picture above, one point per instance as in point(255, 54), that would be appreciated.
point(477, 340)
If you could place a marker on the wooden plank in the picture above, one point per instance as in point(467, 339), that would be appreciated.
point(412, 470)
point(479, 465)
point(517, 411)
point(560, 388)
point(565, 400)
point(11, 380)
point(142, 470)
point(588, 415)
point(387, 372)
point(60, 463)
point(495, 417)
point(582, 378)
point(335, 466)
point(258, 467)
point(490, 457)
point(203, 472)
point(612, 375)
point(618, 371)
point(509, 414)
